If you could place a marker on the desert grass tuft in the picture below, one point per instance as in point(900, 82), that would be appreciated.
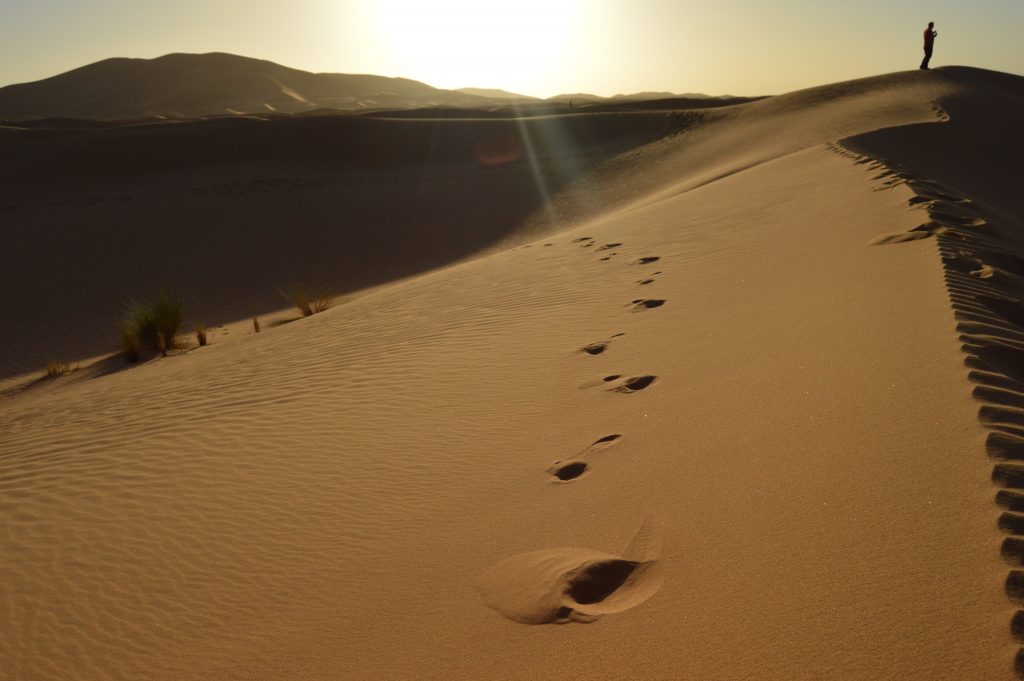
point(201, 334)
point(310, 303)
point(154, 326)
point(164, 320)
point(58, 368)
point(130, 335)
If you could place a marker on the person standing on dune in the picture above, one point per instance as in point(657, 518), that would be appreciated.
point(929, 41)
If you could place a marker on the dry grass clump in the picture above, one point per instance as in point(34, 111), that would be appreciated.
point(153, 326)
point(310, 303)
point(58, 367)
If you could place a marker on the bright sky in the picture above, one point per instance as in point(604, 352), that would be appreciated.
point(535, 47)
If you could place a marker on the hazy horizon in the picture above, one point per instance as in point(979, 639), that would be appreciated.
point(605, 47)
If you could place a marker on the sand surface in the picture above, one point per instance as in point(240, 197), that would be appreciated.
point(739, 425)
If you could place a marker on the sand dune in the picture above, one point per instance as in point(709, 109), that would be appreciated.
point(225, 214)
point(436, 479)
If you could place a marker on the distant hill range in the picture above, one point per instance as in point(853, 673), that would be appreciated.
point(201, 85)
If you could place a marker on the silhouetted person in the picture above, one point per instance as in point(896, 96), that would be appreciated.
point(929, 42)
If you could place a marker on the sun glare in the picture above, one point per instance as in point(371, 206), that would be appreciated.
point(467, 43)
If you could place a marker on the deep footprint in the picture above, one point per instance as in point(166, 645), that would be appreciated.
point(594, 348)
point(642, 304)
point(565, 472)
point(558, 586)
point(646, 260)
point(635, 384)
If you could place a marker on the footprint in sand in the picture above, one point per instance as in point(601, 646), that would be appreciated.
point(648, 280)
point(558, 586)
point(608, 247)
point(595, 348)
point(922, 231)
point(604, 442)
point(582, 238)
point(635, 384)
point(647, 260)
point(568, 470)
point(600, 346)
point(641, 304)
point(616, 383)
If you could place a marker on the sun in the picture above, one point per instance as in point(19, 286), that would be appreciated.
point(471, 43)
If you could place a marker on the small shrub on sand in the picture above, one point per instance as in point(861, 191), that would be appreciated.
point(162, 324)
point(154, 326)
point(131, 341)
point(58, 368)
point(201, 334)
point(310, 303)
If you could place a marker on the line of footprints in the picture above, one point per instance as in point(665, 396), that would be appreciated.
point(568, 470)
point(984, 273)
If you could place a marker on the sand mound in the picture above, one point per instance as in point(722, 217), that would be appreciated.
point(575, 585)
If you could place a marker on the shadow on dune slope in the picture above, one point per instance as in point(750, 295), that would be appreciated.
point(224, 213)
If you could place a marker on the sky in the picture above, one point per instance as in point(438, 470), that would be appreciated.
point(534, 47)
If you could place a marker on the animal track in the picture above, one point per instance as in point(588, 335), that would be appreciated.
point(608, 247)
point(641, 304)
point(582, 238)
point(647, 260)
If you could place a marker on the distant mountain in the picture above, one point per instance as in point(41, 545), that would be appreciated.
point(583, 97)
point(192, 85)
point(184, 86)
point(577, 97)
point(495, 94)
